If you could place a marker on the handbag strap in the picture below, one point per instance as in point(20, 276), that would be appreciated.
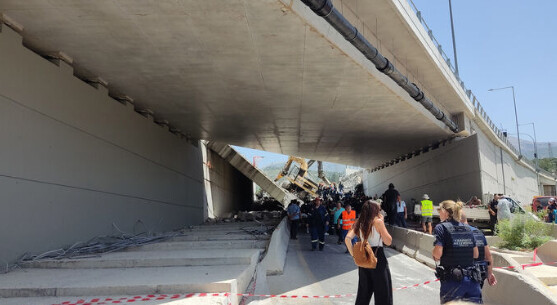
point(380, 240)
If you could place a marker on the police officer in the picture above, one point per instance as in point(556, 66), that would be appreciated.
point(484, 262)
point(455, 247)
point(318, 219)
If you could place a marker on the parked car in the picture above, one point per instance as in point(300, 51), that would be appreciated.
point(515, 205)
point(540, 203)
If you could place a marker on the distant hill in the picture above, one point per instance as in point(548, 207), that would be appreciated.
point(545, 149)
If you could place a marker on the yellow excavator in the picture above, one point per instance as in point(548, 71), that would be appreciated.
point(298, 176)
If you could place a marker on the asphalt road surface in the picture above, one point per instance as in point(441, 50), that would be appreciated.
point(332, 272)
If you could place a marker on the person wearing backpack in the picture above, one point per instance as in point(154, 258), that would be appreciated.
point(370, 227)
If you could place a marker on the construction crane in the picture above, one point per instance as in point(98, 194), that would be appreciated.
point(299, 182)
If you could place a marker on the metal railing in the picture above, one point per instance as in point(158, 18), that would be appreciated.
point(472, 98)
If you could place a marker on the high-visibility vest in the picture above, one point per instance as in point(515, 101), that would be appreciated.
point(348, 219)
point(427, 208)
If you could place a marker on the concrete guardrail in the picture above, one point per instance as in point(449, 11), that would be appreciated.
point(275, 257)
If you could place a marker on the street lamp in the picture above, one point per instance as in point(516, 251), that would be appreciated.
point(535, 141)
point(535, 157)
point(515, 115)
point(454, 43)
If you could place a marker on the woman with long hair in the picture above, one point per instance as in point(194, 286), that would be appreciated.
point(371, 227)
point(455, 248)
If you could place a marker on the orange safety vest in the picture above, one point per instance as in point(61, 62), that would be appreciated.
point(348, 219)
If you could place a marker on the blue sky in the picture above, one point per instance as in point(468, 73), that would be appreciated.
point(268, 157)
point(500, 44)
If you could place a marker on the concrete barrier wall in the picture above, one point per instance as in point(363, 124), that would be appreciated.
point(275, 258)
point(448, 172)
point(413, 243)
point(75, 161)
point(516, 289)
point(482, 168)
point(501, 173)
point(548, 251)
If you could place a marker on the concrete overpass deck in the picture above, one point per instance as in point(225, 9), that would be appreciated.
point(266, 74)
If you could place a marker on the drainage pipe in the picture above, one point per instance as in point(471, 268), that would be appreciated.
point(325, 9)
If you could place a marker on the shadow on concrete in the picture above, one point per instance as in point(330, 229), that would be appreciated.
point(305, 267)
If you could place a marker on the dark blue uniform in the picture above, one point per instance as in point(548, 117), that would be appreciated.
point(460, 279)
point(317, 218)
point(480, 262)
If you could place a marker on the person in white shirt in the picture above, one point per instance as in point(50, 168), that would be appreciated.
point(401, 213)
point(503, 209)
point(376, 282)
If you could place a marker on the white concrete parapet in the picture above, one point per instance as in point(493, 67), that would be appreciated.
point(276, 253)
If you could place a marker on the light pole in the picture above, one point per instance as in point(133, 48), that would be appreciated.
point(515, 115)
point(535, 141)
point(535, 156)
point(454, 43)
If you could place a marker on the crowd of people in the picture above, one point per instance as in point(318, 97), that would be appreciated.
point(462, 268)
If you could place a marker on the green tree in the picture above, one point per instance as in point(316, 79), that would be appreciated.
point(523, 232)
point(548, 164)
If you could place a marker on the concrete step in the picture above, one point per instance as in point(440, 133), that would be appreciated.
point(123, 299)
point(122, 281)
point(213, 244)
point(246, 230)
point(160, 258)
point(223, 236)
point(545, 273)
point(234, 225)
point(253, 231)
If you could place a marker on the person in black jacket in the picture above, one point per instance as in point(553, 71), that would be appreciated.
point(389, 203)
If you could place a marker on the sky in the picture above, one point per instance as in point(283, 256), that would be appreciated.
point(268, 157)
point(499, 44)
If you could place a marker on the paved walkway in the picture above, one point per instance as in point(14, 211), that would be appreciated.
point(333, 272)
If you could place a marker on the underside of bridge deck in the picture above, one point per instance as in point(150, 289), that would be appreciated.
point(249, 73)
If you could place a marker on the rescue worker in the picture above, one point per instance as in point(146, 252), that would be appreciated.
point(455, 247)
point(484, 262)
point(427, 213)
point(318, 219)
point(348, 218)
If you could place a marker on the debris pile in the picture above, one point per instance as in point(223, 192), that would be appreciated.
point(350, 181)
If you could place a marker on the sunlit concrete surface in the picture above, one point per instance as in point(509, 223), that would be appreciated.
point(333, 272)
